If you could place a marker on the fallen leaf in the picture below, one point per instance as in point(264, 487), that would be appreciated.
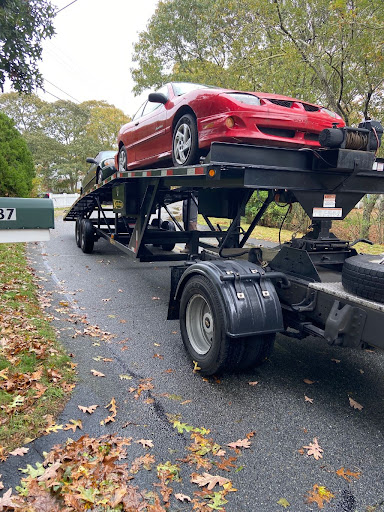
point(355, 404)
point(125, 377)
point(337, 361)
point(147, 443)
point(307, 399)
point(307, 381)
point(155, 298)
point(7, 500)
point(254, 383)
point(314, 449)
point(53, 428)
point(113, 410)
point(182, 497)
point(73, 425)
point(20, 451)
point(90, 410)
point(283, 502)
point(319, 494)
point(196, 367)
point(240, 443)
point(347, 473)
point(97, 374)
point(209, 480)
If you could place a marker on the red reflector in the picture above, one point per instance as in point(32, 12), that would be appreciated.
point(169, 172)
point(199, 170)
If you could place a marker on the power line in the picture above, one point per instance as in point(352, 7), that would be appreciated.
point(61, 90)
point(47, 92)
point(62, 9)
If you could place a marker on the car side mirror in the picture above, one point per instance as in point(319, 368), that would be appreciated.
point(157, 97)
point(91, 161)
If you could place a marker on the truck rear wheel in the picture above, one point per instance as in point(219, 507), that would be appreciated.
point(87, 236)
point(78, 231)
point(169, 226)
point(202, 325)
point(363, 275)
point(256, 350)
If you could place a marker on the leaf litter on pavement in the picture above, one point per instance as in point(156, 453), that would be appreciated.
point(98, 474)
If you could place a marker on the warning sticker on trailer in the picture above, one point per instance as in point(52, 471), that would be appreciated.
point(327, 212)
point(329, 200)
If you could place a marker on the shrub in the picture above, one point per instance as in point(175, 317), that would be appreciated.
point(16, 164)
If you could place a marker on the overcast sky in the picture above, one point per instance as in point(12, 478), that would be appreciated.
point(89, 58)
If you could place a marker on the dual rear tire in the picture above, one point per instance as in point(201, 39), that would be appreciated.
point(202, 324)
point(84, 235)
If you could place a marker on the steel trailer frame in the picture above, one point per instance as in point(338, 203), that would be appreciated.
point(302, 277)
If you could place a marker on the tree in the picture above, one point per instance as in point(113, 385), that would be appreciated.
point(24, 109)
point(320, 50)
point(62, 134)
point(24, 24)
point(103, 124)
point(16, 164)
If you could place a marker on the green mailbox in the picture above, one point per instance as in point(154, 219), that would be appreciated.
point(25, 219)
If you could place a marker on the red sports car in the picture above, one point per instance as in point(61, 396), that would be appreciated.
point(181, 119)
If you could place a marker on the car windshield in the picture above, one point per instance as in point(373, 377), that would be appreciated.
point(181, 88)
point(107, 154)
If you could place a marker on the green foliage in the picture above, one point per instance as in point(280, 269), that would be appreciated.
point(324, 51)
point(295, 220)
point(24, 24)
point(62, 134)
point(16, 165)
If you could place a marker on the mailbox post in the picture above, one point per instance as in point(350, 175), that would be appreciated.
point(25, 219)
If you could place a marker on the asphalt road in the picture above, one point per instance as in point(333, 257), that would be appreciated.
point(129, 300)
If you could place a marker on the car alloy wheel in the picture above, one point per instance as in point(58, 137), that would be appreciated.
point(182, 144)
point(185, 150)
point(122, 159)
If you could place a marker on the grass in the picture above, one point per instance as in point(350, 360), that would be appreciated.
point(272, 235)
point(36, 376)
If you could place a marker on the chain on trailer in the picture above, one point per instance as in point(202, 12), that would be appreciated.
point(231, 298)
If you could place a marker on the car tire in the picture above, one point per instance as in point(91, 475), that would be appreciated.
point(156, 224)
point(122, 159)
point(185, 142)
point(202, 325)
point(78, 231)
point(87, 236)
point(256, 350)
point(99, 176)
point(168, 225)
point(363, 275)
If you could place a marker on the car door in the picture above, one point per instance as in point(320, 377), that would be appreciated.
point(150, 131)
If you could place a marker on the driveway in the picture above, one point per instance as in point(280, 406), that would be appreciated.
point(302, 393)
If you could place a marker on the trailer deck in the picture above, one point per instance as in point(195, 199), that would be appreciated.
point(296, 286)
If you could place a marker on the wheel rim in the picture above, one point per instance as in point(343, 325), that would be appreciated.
point(122, 161)
point(199, 324)
point(182, 143)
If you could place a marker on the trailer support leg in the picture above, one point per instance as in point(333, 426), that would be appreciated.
point(143, 219)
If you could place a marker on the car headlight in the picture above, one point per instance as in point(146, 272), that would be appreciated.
point(330, 113)
point(109, 162)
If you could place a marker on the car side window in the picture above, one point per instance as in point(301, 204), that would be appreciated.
point(151, 106)
point(138, 113)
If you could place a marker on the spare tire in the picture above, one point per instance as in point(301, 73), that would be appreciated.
point(363, 275)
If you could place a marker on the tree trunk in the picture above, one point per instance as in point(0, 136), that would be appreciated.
point(369, 202)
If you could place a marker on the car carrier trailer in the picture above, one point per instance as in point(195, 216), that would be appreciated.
point(231, 299)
